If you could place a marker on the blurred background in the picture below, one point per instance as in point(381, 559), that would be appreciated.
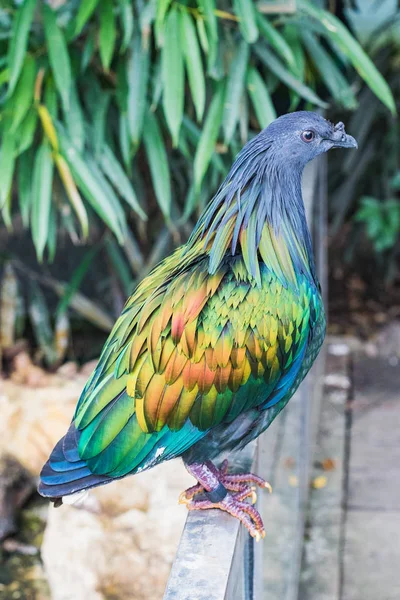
point(118, 121)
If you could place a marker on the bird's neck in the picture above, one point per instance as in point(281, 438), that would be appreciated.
point(261, 217)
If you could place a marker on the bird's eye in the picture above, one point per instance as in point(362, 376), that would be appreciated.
point(307, 136)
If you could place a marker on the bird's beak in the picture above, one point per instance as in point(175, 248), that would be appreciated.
point(346, 141)
point(340, 139)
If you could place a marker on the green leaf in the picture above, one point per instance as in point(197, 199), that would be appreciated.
point(276, 40)
point(40, 319)
point(76, 280)
point(158, 163)
point(24, 173)
point(191, 52)
point(52, 234)
point(7, 163)
point(261, 100)
point(208, 8)
point(41, 201)
point(19, 41)
point(86, 9)
point(340, 35)
point(126, 17)
point(72, 193)
point(194, 134)
point(50, 97)
point(246, 11)
point(108, 33)
point(116, 174)
point(275, 65)
point(26, 131)
point(58, 54)
point(137, 76)
point(124, 140)
point(100, 112)
point(119, 264)
point(234, 91)
point(23, 96)
point(74, 120)
point(88, 50)
point(173, 76)
point(94, 186)
point(162, 8)
point(209, 135)
point(336, 83)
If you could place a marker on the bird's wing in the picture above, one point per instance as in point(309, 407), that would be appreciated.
point(189, 351)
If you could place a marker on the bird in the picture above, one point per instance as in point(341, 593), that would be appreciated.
point(213, 343)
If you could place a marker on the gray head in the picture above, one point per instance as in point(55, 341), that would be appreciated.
point(296, 138)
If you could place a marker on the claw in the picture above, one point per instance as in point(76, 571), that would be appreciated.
point(256, 535)
point(183, 499)
point(268, 486)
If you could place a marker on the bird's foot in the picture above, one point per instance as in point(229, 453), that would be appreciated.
point(227, 492)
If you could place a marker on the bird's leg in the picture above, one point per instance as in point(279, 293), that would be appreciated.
point(226, 492)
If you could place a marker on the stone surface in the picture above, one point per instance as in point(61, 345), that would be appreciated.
point(372, 556)
point(374, 469)
point(321, 572)
point(123, 543)
point(372, 528)
point(125, 548)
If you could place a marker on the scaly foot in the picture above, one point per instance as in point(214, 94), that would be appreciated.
point(214, 484)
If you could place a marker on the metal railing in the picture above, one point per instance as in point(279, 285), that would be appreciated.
point(217, 559)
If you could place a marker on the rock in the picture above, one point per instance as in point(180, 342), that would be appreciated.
point(125, 547)
point(16, 485)
point(34, 418)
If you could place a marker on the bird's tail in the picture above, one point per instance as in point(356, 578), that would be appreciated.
point(65, 473)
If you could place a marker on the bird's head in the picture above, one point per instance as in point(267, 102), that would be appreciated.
point(297, 138)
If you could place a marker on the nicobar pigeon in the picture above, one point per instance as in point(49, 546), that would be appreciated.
point(214, 342)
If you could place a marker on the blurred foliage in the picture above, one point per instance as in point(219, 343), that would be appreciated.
point(114, 112)
point(366, 186)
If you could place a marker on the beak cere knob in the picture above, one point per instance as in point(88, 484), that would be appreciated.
point(339, 126)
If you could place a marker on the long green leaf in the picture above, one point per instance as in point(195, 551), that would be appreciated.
point(137, 76)
point(120, 266)
point(338, 33)
point(24, 173)
point(7, 163)
point(208, 8)
point(173, 76)
point(158, 163)
point(246, 11)
point(58, 54)
point(75, 120)
point(209, 135)
point(336, 83)
point(235, 89)
point(41, 201)
point(126, 17)
point(100, 112)
point(76, 280)
point(26, 131)
point(19, 41)
point(276, 40)
point(108, 32)
point(194, 64)
point(86, 9)
point(261, 100)
point(40, 319)
point(116, 174)
point(72, 193)
point(275, 65)
point(93, 185)
point(23, 96)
